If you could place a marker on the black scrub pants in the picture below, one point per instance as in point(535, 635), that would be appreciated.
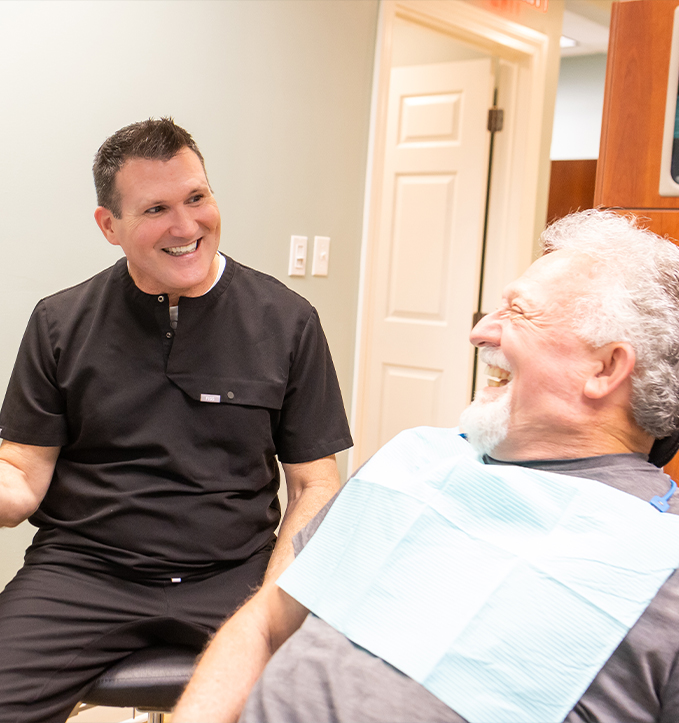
point(61, 627)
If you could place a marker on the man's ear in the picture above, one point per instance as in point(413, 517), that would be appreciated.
point(616, 363)
point(105, 219)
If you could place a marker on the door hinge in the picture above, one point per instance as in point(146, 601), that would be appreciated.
point(496, 118)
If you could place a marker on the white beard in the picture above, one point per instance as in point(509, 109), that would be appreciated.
point(486, 420)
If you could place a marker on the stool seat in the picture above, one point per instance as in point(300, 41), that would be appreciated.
point(149, 679)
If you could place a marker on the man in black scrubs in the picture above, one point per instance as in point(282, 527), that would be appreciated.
point(141, 430)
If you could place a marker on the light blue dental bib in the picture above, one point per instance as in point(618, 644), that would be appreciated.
point(502, 590)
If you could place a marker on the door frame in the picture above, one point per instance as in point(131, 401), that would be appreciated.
point(522, 71)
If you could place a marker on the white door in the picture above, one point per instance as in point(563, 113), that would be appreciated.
point(422, 287)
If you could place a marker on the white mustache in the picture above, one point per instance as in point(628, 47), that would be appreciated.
point(493, 357)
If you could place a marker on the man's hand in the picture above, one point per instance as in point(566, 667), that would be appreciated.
point(237, 655)
point(25, 475)
point(310, 486)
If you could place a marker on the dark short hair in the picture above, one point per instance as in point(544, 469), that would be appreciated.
point(158, 140)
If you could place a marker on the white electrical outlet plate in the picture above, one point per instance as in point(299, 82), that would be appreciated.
point(319, 265)
point(297, 263)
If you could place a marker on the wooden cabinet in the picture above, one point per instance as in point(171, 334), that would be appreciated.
point(571, 187)
point(628, 172)
point(637, 70)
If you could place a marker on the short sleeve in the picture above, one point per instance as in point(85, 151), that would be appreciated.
point(34, 410)
point(313, 423)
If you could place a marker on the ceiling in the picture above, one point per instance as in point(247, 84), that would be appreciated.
point(586, 22)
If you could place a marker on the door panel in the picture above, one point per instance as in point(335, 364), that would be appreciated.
point(417, 280)
point(423, 290)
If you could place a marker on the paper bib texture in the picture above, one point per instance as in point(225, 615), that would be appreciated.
point(502, 590)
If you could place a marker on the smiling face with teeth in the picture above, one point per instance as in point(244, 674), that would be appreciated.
point(498, 372)
point(169, 226)
point(535, 359)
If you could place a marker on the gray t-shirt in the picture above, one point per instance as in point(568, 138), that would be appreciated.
point(319, 675)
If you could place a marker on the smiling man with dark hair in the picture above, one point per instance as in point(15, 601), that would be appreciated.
point(142, 428)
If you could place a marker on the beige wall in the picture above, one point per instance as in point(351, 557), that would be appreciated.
point(276, 93)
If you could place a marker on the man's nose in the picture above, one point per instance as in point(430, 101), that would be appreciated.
point(486, 331)
point(184, 224)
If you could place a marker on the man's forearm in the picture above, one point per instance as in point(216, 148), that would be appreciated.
point(237, 656)
point(226, 673)
point(310, 486)
point(15, 504)
point(25, 474)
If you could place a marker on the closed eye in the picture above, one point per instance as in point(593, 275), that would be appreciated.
point(510, 311)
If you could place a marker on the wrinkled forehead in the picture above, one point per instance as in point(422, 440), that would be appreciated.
point(560, 275)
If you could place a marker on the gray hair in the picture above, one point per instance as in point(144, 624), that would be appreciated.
point(637, 303)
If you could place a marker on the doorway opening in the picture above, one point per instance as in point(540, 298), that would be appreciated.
point(436, 71)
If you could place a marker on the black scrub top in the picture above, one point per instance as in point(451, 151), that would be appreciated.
point(169, 438)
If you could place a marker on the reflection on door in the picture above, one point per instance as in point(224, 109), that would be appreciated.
point(423, 284)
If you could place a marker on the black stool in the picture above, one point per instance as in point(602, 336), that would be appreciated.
point(150, 680)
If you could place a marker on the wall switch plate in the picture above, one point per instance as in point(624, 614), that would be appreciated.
point(297, 263)
point(319, 266)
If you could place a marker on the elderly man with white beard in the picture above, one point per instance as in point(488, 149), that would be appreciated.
point(521, 569)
